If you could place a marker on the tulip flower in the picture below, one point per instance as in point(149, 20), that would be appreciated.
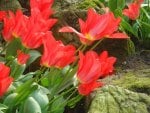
point(14, 25)
point(3, 14)
point(44, 7)
point(55, 53)
point(35, 30)
point(22, 58)
point(5, 79)
point(133, 10)
point(107, 63)
point(86, 89)
point(97, 27)
point(91, 68)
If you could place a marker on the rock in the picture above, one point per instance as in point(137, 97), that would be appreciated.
point(65, 4)
point(113, 99)
point(138, 81)
point(70, 18)
point(12, 5)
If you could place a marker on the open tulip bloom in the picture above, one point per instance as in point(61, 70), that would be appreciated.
point(133, 10)
point(45, 76)
point(96, 27)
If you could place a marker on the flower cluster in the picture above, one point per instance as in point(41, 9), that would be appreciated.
point(34, 31)
point(30, 42)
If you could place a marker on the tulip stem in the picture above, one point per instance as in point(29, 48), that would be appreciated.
point(95, 45)
point(4, 48)
point(81, 46)
point(62, 94)
point(83, 49)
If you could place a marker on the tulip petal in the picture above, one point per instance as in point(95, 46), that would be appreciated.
point(118, 35)
point(86, 89)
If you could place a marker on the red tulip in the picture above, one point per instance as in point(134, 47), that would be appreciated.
point(55, 53)
point(86, 89)
point(3, 14)
point(91, 68)
point(14, 24)
point(35, 30)
point(107, 63)
point(5, 79)
point(96, 27)
point(22, 57)
point(133, 10)
point(44, 7)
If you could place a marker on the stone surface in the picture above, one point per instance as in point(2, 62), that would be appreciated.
point(113, 99)
point(138, 81)
point(10, 5)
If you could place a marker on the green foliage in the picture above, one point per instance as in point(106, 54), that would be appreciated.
point(2, 108)
point(144, 26)
point(17, 69)
point(58, 105)
point(41, 98)
point(31, 106)
point(127, 27)
point(130, 47)
point(113, 99)
point(12, 47)
point(73, 101)
point(116, 4)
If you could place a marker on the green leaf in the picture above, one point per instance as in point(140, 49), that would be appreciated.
point(17, 69)
point(2, 106)
point(45, 82)
point(41, 98)
point(9, 100)
point(73, 101)
point(31, 106)
point(24, 94)
point(33, 56)
point(58, 105)
point(116, 4)
point(112, 4)
point(24, 90)
point(126, 26)
point(24, 86)
point(13, 47)
point(121, 4)
point(1, 112)
point(26, 77)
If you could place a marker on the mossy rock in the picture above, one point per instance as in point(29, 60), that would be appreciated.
point(136, 81)
point(10, 5)
point(113, 99)
point(65, 4)
point(89, 4)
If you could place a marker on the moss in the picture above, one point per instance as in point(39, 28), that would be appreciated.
point(135, 82)
point(113, 99)
point(88, 4)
